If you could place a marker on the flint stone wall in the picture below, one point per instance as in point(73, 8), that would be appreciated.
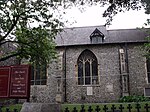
point(109, 87)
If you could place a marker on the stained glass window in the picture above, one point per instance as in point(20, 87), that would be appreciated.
point(87, 68)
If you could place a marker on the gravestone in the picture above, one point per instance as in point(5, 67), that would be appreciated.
point(40, 107)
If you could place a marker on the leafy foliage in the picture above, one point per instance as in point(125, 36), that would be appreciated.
point(31, 27)
point(36, 44)
point(133, 98)
point(146, 4)
point(146, 48)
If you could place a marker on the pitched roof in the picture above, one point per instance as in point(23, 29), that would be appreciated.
point(81, 35)
point(127, 35)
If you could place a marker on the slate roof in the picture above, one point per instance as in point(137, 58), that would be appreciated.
point(81, 35)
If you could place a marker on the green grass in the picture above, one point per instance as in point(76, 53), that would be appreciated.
point(109, 105)
point(12, 107)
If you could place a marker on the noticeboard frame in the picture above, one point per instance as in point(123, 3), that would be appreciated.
point(5, 85)
point(25, 77)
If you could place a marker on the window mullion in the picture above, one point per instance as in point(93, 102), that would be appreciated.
point(83, 72)
point(35, 69)
point(88, 68)
point(91, 71)
point(40, 73)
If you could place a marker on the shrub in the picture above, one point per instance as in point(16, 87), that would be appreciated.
point(6, 102)
point(134, 98)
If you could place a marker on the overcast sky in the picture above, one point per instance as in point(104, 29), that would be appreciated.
point(92, 16)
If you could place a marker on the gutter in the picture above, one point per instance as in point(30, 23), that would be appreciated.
point(127, 62)
point(75, 45)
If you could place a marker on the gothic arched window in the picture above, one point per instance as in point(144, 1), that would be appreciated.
point(87, 68)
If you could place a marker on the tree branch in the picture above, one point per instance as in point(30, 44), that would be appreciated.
point(12, 27)
point(15, 20)
point(9, 56)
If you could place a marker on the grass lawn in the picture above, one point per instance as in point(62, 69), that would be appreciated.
point(109, 105)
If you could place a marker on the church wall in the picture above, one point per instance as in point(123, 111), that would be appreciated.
point(109, 87)
point(47, 93)
point(137, 70)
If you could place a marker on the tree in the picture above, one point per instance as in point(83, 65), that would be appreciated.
point(117, 6)
point(31, 26)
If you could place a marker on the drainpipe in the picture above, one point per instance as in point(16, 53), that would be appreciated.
point(127, 65)
point(65, 96)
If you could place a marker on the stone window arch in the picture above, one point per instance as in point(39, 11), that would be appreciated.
point(87, 68)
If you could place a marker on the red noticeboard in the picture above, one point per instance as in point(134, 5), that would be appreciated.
point(4, 81)
point(15, 81)
point(20, 81)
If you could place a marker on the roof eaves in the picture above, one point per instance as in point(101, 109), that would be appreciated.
point(105, 43)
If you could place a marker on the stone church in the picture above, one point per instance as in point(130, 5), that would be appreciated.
point(94, 65)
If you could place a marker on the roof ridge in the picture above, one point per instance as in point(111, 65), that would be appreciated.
point(85, 26)
point(128, 29)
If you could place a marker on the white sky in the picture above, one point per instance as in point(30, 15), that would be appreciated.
point(93, 16)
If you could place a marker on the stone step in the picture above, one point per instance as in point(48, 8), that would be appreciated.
point(40, 107)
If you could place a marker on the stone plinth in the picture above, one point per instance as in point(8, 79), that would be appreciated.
point(40, 107)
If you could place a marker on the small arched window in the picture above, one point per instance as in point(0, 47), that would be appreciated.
point(87, 68)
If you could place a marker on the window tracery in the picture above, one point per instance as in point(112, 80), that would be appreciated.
point(87, 68)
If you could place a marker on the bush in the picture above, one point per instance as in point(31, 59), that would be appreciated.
point(6, 102)
point(134, 98)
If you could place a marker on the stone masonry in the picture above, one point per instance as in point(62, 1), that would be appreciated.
point(109, 87)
